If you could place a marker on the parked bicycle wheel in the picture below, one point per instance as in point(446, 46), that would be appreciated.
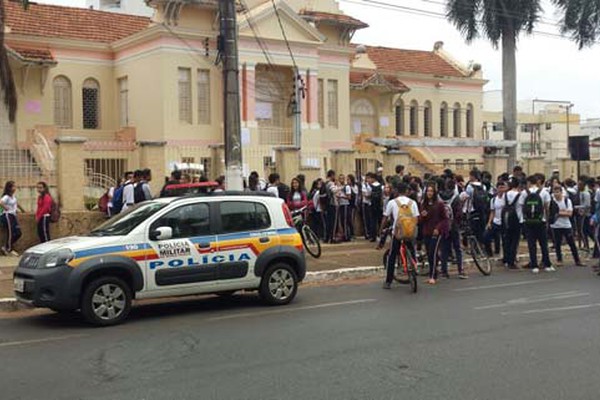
point(422, 266)
point(311, 242)
point(412, 271)
point(482, 261)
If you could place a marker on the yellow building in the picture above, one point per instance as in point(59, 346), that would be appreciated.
point(128, 91)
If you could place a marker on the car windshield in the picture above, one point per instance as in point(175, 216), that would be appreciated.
point(124, 223)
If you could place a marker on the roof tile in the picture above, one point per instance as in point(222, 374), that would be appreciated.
point(342, 19)
point(416, 61)
point(31, 54)
point(71, 23)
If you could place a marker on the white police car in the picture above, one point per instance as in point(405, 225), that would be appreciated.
point(168, 247)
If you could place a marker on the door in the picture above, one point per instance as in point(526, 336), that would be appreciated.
point(244, 233)
point(187, 261)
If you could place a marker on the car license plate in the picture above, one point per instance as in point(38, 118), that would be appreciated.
point(19, 285)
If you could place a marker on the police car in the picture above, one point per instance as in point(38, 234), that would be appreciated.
point(218, 243)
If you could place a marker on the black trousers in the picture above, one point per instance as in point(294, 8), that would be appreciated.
point(393, 257)
point(330, 221)
point(43, 229)
point(567, 234)
point(13, 230)
point(511, 244)
point(536, 233)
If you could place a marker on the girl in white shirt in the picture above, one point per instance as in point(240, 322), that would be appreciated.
point(560, 221)
point(9, 218)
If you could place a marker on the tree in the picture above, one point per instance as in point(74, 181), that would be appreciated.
point(8, 91)
point(500, 22)
point(581, 20)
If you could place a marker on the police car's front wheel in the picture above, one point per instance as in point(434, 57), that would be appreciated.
point(106, 301)
point(279, 284)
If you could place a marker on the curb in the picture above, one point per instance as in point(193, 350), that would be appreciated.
point(11, 304)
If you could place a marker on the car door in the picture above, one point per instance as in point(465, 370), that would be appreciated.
point(185, 262)
point(244, 233)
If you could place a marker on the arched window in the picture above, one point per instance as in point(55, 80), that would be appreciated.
point(91, 104)
point(364, 118)
point(400, 118)
point(470, 122)
point(444, 119)
point(427, 119)
point(456, 117)
point(62, 102)
point(414, 118)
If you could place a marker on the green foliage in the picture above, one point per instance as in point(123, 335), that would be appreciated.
point(581, 20)
point(493, 19)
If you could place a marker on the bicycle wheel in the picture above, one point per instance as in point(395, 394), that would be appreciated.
point(412, 271)
point(482, 261)
point(311, 242)
point(422, 267)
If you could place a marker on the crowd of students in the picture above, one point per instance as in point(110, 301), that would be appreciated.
point(500, 212)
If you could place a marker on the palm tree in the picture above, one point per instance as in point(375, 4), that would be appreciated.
point(8, 91)
point(581, 19)
point(499, 21)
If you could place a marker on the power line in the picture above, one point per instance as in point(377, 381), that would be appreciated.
point(287, 43)
point(432, 14)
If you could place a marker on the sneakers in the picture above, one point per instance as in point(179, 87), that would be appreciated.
point(462, 275)
point(445, 275)
point(535, 270)
point(513, 267)
point(387, 285)
point(550, 269)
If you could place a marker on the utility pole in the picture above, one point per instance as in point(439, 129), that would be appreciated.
point(231, 86)
point(299, 95)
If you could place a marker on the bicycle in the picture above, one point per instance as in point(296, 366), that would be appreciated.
point(310, 240)
point(473, 248)
point(406, 267)
point(421, 264)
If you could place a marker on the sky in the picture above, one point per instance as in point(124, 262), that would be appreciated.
point(549, 68)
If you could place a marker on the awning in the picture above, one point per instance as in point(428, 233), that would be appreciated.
point(30, 55)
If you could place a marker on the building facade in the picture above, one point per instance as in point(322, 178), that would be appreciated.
point(138, 91)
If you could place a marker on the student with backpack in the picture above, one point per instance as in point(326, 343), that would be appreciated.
point(512, 220)
point(535, 203)
point(404, 213)
point(43, 213)
point(494, 228)
point(128, 200)
point(434, 223)
point(141, 191)
point(476, 204)
point(117, 199)
point(453, 204)
point(561, 211)
point(331, 216)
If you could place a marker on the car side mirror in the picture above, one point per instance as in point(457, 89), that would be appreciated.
point(162, 233)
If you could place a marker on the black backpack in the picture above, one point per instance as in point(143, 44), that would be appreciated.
point(138, 193)
point(533, 209)
point(377, 195)
point(481, 202)
point(555, 209)
point(510, 218)
point(575, 198)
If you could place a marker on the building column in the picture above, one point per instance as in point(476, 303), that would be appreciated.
point(304, 100)
point(313, 98)
point(249, 94)
point(421, 120)
point(71, 173)
point(153, 157)
point(287, 162)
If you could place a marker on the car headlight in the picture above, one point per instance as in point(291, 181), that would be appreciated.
point(56, 258)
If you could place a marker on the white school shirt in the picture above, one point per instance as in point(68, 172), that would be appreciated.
point(497, 204)
point(128, 196)
point(10, 204)
point(366, 193)
point(563, 222)
point(391, 209)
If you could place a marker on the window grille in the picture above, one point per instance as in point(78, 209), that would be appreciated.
point(414, 118)
point(332, 103)
point(91, 104)
point(444, 120)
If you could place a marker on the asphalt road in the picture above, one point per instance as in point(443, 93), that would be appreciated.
point(510, 336)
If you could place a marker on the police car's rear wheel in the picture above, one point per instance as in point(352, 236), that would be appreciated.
point(106, 301)
point(279, 284)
